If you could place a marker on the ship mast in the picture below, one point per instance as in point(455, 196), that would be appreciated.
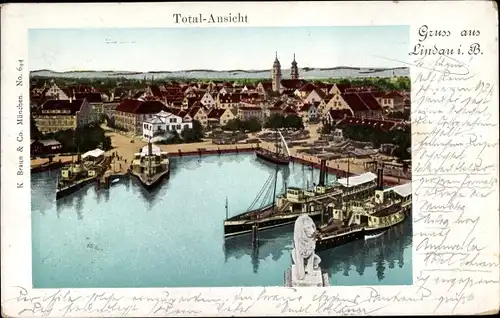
point(274, 192)
point(226, 209)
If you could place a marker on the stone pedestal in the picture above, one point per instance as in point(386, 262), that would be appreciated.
point(314, 279)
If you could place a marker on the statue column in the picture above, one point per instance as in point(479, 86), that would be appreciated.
point(305, 270)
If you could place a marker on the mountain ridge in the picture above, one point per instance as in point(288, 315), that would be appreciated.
point(306, 73)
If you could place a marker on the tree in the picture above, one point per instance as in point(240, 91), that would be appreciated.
point(275, 121)
point(294, 122)
point(252, 125)
point(198, 130)
point(106, 143)
point(233, 125)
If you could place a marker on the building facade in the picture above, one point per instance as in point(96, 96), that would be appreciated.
point(56, 115)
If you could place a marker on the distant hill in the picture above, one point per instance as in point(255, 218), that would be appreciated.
point(306, 73)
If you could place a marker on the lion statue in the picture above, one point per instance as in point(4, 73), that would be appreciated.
point(304, 244)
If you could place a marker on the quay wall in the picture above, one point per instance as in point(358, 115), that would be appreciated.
point(304, 159)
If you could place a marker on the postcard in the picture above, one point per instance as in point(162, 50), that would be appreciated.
point(244, 159)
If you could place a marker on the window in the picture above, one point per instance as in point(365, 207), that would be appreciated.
point(178, 127)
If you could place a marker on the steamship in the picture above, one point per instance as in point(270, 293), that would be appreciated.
point(364, 216)
point(150, 166)
point(285, 208)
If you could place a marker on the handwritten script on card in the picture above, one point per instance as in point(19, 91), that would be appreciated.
point(455, 172)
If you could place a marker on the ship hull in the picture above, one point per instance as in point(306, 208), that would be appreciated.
point(74, 188)
point(271, 158)
point(329, 242)
point(156, 181)
point(264, 224)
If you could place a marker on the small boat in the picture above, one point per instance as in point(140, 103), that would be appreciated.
point(115, 180)
point(373, 235)
point(282, 154)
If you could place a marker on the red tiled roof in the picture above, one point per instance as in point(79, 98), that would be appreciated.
point(343, 87)
point(320, 93)
point(369, 101)
point(385, 125)
point(90, 97)
point(293, 83)
point(136, 106)
point(267, 85)
point(378, 94)
point(393, 94)
point(289, 111)
point(249, 108)
point(339, 113)
point(307, 88)
point(155, 90)
point(192, 111)
point(191, 101)
point(71, 107)
point(230, 98)
point(275, 108)
point(216, 113)
point(354, 102)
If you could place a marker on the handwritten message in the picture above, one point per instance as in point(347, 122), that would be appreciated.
point(455, 165)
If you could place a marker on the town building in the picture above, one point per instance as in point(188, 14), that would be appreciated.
point(63, 114)
point(246, 113)
point(162, 123)
point(220, 117)
point(95, 101)
point(131, 113)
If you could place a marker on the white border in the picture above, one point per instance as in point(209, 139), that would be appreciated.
point(16, 232)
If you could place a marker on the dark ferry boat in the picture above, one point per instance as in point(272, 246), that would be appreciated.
point(282, 154)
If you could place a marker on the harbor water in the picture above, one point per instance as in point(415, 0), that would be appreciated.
point(173, 236)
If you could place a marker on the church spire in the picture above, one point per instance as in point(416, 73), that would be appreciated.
point(294, 70)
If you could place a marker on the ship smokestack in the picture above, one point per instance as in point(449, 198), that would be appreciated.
point(322, 172)
point(380, 178)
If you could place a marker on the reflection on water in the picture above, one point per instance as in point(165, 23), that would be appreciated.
point(173, 237)
point(381, 253)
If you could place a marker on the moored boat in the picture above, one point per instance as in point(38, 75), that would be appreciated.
point(366, 218)
point(281, 155)
point(76, 175)
point(150, 166)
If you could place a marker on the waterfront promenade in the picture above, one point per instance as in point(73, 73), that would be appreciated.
point(124, 151)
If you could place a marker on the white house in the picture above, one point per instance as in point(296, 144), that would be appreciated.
point(162, 123)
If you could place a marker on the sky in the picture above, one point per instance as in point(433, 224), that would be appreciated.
point(173, 49)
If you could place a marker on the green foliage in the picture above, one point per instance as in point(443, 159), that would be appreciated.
point(82, 139)
point(381, 83)
point(194, 134)
point(400, 138)
point(251, 125)
point(276, 121)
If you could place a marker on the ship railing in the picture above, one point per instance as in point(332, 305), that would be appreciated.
point(343, 231)
point(359, 189)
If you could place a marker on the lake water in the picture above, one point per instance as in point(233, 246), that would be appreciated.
point(173, 237)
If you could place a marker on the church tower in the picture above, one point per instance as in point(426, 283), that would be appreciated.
point(294, 71)
point(276, 74)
